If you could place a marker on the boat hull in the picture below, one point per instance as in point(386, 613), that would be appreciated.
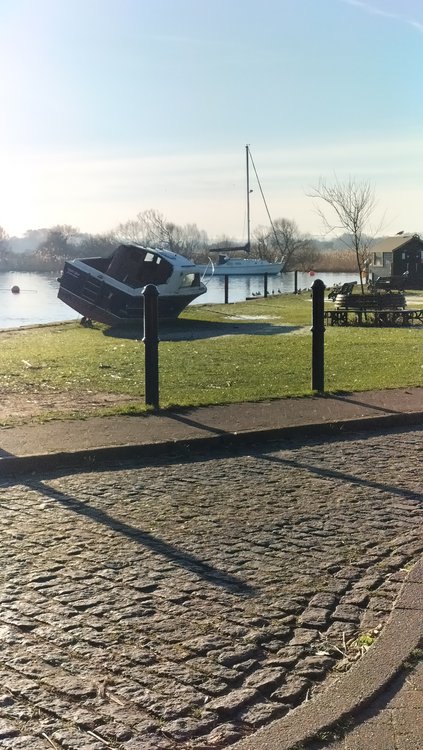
point(169, 308)
point(249, 269)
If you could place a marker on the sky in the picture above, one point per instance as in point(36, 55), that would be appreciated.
point(113, 107)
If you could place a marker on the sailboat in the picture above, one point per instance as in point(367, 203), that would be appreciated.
point(226, 266)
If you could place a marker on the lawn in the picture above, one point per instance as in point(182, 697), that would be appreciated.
point(213, 354)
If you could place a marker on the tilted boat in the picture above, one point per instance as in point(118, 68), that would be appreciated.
point(109, 290)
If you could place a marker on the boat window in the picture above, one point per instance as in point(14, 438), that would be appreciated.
point(190, 279)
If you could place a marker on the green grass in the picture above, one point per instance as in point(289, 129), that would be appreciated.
point(212, 369)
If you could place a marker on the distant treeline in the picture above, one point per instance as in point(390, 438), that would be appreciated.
point(44, 250)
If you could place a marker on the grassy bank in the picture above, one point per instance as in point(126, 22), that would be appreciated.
point(212, 355)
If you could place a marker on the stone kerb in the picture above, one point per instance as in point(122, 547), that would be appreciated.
point(358, 687)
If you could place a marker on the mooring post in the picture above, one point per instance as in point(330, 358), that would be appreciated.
point(318, 333)
point(226, 289)
point(265, 285)
point(151, 342)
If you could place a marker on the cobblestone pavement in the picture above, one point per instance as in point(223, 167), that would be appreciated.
point(183, 605)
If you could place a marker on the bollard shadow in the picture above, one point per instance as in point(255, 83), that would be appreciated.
point(194, 564)
point(196, 423)
point(189, 330)
point(6, 454)
point(343, 476)
point(351, 400)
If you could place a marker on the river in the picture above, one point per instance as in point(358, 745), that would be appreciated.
point(37, 301)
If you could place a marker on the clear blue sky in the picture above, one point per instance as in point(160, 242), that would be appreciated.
point(112, 107)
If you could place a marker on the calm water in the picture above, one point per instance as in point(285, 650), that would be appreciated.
point(241, 287)
point(37, 301)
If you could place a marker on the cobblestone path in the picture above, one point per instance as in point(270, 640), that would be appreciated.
point(183, 605)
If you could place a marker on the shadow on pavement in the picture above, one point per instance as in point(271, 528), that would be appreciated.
point(170, 552)
point(195, 423)
point(373, 407)
point(344, 477)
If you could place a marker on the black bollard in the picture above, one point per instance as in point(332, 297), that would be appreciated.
point(151, 342)
point(295, 282)
point(318, 333)
point(226, 289)
point(265, 285)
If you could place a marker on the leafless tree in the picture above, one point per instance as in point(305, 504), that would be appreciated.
point(4, 244)
point(283, 241)
point(151, 228)
point(351, 205)
point(92, 245)
point(307, 258)
point(56, 245)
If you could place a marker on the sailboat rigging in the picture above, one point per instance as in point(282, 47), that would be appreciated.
point(226, 266)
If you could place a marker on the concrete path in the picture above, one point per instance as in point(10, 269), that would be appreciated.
point(110, 437)
point(393, 722)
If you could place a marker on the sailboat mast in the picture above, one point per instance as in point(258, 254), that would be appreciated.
point(247, 154)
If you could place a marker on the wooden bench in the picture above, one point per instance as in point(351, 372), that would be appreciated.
point(377, 318)
point(388, 283)
point(345, 288)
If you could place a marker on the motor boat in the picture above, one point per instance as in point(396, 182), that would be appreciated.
point(109, 290)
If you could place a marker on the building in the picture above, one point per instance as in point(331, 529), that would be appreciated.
point(395, 256)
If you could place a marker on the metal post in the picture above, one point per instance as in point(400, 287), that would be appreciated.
point(265, 285)
point(295, 282)
point(226, 289)
point(151, 342)
point(247, 152)
point(318, 332)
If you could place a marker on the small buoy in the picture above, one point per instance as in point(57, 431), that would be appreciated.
point(311, 273)
point(15, 290)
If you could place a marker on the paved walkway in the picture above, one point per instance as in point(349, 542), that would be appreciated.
point(183, 598)
point(393, 722)
point(157, 432)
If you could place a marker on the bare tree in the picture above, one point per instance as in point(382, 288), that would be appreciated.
point(92, 245)
point(307, 258)
point(4, 245)
point(351, 204)
point(151, 228)
point(283, 241)
point(56, 245)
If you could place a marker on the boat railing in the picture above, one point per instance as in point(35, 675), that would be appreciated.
point(208, 274)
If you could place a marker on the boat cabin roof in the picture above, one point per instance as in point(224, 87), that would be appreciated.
point(137, 265)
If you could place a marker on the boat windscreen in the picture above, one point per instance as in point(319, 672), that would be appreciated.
point(138, 267)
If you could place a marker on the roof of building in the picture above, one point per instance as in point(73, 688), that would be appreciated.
point(388, 244)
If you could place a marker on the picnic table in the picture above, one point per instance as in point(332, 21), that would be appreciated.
point(377, 308)
point(372, 317)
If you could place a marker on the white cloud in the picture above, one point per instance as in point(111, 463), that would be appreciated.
point(376, 11)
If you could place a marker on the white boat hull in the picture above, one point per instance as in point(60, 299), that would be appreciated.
point(242, 268)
